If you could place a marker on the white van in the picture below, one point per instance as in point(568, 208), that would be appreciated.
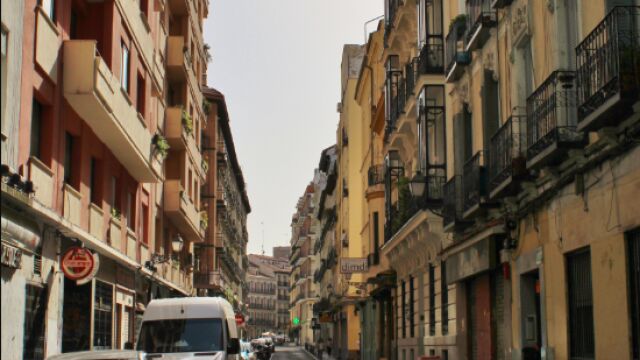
point(182, 328)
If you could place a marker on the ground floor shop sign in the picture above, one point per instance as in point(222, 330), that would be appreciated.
point(79, 264)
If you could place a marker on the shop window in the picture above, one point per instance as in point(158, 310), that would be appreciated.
point(581, 332)
point(103, 316)
point(124, 67)
point(35, 309)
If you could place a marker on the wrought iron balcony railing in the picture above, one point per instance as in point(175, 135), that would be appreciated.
point(474, 182)
point(453, 204)
point(608, 76)
point(456, 57)
point(376, 175)
point(552, 118)
point(506, 154)
point(431, 58)
point(480, 17)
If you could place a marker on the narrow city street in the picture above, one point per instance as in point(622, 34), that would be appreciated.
point(291, 353)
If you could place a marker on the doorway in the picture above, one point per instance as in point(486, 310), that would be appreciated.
point(531, 328)
point(76, 316)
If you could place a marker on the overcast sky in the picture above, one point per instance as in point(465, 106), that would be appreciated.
point(278, 64)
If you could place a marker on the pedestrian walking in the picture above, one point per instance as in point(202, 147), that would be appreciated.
point(320, 348)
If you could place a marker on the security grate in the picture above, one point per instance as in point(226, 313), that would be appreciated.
point(581, 334)
point(37, 265)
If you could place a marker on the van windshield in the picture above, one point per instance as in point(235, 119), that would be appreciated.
point(180, 335)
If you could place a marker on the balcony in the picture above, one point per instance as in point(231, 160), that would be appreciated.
point(180, 67)
point(179, 7)
point(456, 56)
point(474, 184)
point(551, 120)
point(481, 17)
point(180, 136)
point(431, 57)
point(507, 163)
point(453, 204)
point(608, 76)
point(182, 211)
point(95, 94)
point(207, 280)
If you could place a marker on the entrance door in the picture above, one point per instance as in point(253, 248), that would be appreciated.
point(76, 316)
point(531, 328)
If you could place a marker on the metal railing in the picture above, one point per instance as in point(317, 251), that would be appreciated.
point(507, 145)
point(452, 201)
point(474, 180)
point(376, 175)
point(479, 13)
point(262, 291)
point(454, 54)
point(551, 113)
point(608, 60)
point(431, 57)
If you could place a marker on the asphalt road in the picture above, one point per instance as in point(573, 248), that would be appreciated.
point(291, 353)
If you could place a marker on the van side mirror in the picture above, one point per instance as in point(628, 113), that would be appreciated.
point(233, 347)
point(128, 345)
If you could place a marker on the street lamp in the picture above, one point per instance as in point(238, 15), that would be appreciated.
point(418, 185)
point(177, 244)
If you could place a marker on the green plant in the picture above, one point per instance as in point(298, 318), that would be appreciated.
point(206, 106)
point(460, 22)
point(187, 122)
point(161, 144)
point(204, 220)
point(403, 208)
point(115, 213)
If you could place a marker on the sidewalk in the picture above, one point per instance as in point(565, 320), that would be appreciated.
point(325, 356)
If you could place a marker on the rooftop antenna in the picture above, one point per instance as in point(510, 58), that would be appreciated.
point(262, 223)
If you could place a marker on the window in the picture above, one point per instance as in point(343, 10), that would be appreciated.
point(131, 210)
point(633, 255)
point(140, 99)
point(411, 308)
point(431, 129)
point(95, 181)
point(35, 308)
point(49, 7)
point(103, 315)
point(376, 237)
point(68, 158)
point(432, 300)
point(36, 128)
point(144, 228)
point(5, 36)
point(124, 68)
point(444, 303)
point(115, 191)
point(404, 307)
point(581, 337)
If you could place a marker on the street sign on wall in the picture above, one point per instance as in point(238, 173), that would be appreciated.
point(353, 265)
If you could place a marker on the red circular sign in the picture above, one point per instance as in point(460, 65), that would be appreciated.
point(239, 319)
point(77, 263)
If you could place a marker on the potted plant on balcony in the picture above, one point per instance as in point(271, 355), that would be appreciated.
point(205, 165)
point(458, 23)
point(204, 220)
point(187, 122)
point(161, 145)
point(115, 213)
point(206, 106)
